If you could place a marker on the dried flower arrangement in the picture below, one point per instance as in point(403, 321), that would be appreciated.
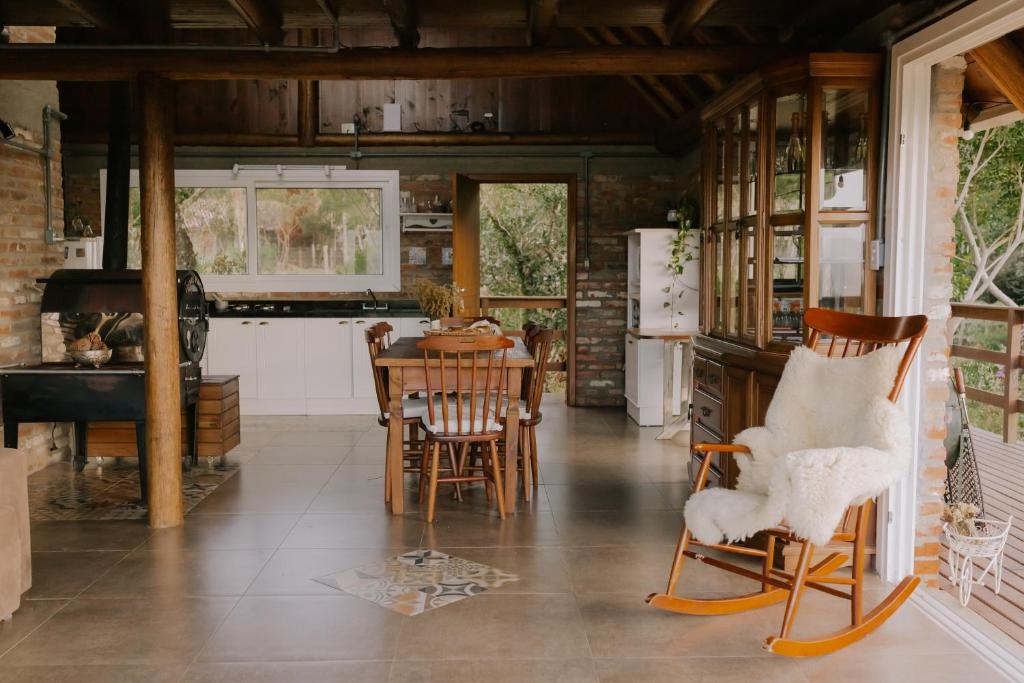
point(961, 517)
point(437, 301)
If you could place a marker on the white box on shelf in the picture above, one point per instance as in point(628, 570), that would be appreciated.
point(392, 118)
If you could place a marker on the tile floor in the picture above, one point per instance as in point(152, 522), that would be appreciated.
point(231, 596)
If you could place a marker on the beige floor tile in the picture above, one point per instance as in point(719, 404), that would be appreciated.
point(355, 530)
point(495, 671)
point(300, 455)
point(301, 628)
point(352, 488)
point(303, 437)
point(622, 528)
point(291, 570)
point(268, 488)
point(589, 473)
point(340, 423)
point(492, 626)
point(30, 616)
point(88, 535)
point(122, 632)
point(703, 670)
point(145, 574)
point(540, 570)
point(66, 574)
point(224, 532)
point(606, 496)
point(96, 673)
point(457, 529)
point(865, 665)
point(291, 672)
point(367, 455)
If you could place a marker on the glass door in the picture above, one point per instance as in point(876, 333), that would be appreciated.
point(748, 225)
point(787, 244)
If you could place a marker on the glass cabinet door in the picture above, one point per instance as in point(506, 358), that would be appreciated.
point(748, 276)
point(788, 276)
point(718, 282)
point(790, 153)
point(750, 164)
point(841, 266)
point(844, 154)
point(719, 172)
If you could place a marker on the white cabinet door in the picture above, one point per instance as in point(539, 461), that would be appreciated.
point(413, 327)
point(632, 369)
point(328, 357)
point(231, 350)
point(362, 373)
point(281, 349)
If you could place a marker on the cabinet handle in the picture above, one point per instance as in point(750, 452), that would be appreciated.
point(343, 322)
point(247, 322)
point(264, 322)
point(424, 322)
point(705, 411)
point(360, 322)
point(713, 379)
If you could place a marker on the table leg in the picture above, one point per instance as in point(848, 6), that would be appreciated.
point(395, 429)
point(140, 445)
point(515, 379)
point(672, 425)
point(81, 446)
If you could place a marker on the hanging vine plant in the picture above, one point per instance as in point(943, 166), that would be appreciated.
point(683, 252)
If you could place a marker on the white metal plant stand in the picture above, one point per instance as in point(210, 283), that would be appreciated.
point(987, 544)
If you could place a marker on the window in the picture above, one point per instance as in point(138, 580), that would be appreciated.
point(282, 228)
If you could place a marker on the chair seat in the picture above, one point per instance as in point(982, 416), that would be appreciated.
point(463, 426)
point(415, 408)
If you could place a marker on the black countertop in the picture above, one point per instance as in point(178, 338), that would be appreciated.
point(251, 308)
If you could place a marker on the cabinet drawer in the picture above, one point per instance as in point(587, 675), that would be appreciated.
point(715, 373)
point(716, 474)
point(700, 372)
point(707, 412)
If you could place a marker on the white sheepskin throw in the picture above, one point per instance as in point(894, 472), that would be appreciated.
point(831, 439)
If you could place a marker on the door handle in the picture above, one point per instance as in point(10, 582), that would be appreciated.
point(264, 322)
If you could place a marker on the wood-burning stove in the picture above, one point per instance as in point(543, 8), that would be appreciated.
point(109, 303)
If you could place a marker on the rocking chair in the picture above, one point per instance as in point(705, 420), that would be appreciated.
point(845, 335)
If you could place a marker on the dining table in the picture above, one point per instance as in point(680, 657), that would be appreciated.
point(406, 375)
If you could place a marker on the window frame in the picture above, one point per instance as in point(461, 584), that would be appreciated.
point(313, 177)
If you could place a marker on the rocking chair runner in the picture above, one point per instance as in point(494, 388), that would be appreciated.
point(851, 335)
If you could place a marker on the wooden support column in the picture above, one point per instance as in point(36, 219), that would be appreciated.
point(309, 112)
point(159, 289)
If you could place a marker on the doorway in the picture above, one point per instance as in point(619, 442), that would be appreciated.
point(514, 255)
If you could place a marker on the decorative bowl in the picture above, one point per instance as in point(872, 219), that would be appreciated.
point(93, 358)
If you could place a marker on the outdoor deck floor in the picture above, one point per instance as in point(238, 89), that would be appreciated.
point(1002, 479)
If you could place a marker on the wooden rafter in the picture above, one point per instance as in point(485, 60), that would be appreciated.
point(404, 21)
point(682, 16)
point(634, 82)
point(261, 17)
point(102, 15)
point(713, 81)
point(636, 36)
point(41, 62)
point(541, 19)
point(660, 90)
point(1003, 62)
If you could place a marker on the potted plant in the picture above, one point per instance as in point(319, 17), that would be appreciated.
point(685, 249)
point(437, 301)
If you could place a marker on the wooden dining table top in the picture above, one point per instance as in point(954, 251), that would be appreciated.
point(403, 353)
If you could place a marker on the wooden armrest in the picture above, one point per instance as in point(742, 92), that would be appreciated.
point(719, 448)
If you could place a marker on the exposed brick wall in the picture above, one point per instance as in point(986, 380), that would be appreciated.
point(24, 255)
point(626, 192)
point(943, 175)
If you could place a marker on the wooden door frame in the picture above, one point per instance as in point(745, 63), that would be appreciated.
point(466, 240)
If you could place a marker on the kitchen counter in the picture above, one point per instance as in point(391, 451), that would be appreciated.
point(317, 309)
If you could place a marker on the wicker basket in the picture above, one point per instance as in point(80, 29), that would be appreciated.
point(987, 543)
point(457, 332)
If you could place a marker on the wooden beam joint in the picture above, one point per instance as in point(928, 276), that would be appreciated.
point(1003, 62)
point(261, 17)
point(404, 21)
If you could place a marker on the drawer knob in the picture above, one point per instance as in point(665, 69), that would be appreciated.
point(705, 411)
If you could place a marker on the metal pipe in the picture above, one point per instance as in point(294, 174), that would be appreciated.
point(46, 154)
point(587, 156)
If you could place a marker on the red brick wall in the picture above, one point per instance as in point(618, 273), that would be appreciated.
point(24, 255)
point(626, 193)
point(944, 173)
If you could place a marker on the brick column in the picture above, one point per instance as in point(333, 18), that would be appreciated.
point(943, 175)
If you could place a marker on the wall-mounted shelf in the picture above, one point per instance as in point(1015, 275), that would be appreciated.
point(426, 222)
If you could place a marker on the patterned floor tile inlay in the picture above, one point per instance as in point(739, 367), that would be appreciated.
point(417, 581)
point(110, 491)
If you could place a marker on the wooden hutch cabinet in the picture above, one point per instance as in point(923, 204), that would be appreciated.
point(789, 180)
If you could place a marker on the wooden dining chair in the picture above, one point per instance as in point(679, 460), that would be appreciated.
point(378, 338)
point(834, 334)
point(468, 376)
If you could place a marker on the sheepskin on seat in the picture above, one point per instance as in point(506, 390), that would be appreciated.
point(831, 439)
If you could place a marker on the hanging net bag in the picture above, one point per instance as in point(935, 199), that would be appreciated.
point(963, 483)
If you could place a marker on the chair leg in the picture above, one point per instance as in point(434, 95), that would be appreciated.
point(499, 490)
point(435, 462)
point(387, 468)
point(677, 562)
point(769, 559)
point(424, 463)
point(532, 429)
point(524, 451)
point(799, 578)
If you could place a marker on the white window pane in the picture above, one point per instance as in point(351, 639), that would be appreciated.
point(211, 229)
point(320, 231)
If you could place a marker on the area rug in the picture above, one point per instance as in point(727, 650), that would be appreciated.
point(418, 581)
point(110, 491)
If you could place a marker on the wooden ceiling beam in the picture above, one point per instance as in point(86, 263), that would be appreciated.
point(656, 104)
point(41, 62)
point(261, 17)
point(404, 21)
point(682, 16)
point(636, 36)
point(104, 17)
point(660, 90)
point(1003, 62)
point(541, 18)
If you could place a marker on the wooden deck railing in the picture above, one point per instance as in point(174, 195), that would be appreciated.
point(489, 303)
point(1010, 360)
